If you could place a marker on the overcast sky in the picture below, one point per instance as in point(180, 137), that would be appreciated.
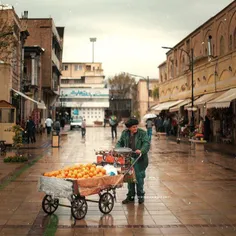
point(129, 33)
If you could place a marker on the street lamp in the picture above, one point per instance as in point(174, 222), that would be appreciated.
point(191, 66)
point(93, 40)
point(147, 79)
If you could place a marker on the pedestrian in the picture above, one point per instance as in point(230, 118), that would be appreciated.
point(30, 129)
point(201, 126)
point(83, 128)
point(48, 123)
point(113, 123)
point(174, 126)
point(57, 127)
point(136, 139)
point(207, 128)
point(149, 128)
point(63, 121)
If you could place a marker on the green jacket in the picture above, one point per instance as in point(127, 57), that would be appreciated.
point(141, 142)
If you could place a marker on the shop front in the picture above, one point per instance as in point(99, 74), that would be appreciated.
point(223, 114)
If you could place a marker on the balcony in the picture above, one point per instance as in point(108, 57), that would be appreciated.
point(93, 73)
point(55, 60)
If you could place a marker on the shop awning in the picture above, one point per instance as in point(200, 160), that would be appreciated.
point(166, 105)
point(206, 98)
point(223, 100)
point(40, 105)
point(177, 107)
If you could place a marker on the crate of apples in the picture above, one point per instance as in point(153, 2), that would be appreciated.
point(80, 171)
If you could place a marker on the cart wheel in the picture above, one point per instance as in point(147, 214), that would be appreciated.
point(50, 204)
point(106, 203)
point(79, 208)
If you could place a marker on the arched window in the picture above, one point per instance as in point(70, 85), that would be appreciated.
point(235, 38)
point(222, 46)
point(230, 42)
point(171, 71)
point(183, 64)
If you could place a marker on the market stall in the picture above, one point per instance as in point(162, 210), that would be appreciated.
point(7, 120)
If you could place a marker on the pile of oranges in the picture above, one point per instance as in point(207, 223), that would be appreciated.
point(79, 171)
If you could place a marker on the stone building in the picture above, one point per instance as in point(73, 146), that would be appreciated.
point(213, 85)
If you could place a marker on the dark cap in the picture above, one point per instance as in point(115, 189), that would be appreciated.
point(131, 122)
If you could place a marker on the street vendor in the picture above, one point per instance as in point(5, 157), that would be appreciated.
point(136, 139)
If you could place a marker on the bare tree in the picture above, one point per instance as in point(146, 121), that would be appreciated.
point(122, 85)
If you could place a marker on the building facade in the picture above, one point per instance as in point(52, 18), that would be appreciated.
point(212, 79)
point(145, 96)
point(83, 92)
point(49, 38)
point(12, 38)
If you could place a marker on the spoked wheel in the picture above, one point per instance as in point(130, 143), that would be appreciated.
point(79, 208)
point(106, 203)
point(50, 204)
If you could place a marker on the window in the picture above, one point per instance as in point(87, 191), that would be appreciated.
point(230, 42)
point(222, 46)
point(65, 67)
point(150, 93)
point(235, 38)
point(78, 67)
point(7, 115)
point(183, 64)
point(88, 68)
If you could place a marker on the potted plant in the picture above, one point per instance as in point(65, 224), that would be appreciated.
point(17, 143)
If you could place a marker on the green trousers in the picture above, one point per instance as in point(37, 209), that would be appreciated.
point(140, 175)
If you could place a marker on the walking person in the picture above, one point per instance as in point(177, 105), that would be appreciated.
point(30, 129)
point(48, 123)
point(83, 128)
point(113, 123)
point(63, 121)
point(207, 128)
point(57, 127)
point(136, 139)
point(149, 128)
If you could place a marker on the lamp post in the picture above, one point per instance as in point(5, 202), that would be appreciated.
point(62, 108)
point(191, 67)
point(93, 40)
point(147, 79)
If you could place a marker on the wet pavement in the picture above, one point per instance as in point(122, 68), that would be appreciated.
point(188, 192)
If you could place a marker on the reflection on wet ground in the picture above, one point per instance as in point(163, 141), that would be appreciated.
point(187, 192)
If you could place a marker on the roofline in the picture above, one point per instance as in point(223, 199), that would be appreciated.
point(163, 63)
point(50, 18)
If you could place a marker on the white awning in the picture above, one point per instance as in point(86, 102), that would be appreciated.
point(206, 98)
point(223, 100)
point(166, 105)
point(40, 105)
point(177, 107)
